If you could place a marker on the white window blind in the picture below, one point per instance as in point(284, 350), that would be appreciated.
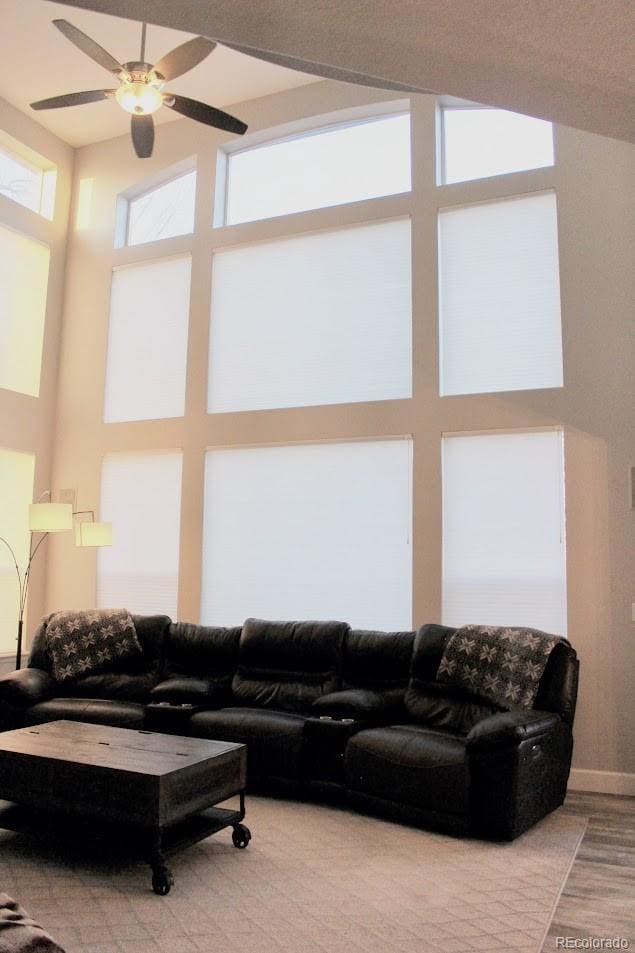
point(317, 531)
point(147, 340)
point(503, 530)
point(500, 296)
point(163, 212)
point(318, 319)
point(478, 143)
point(24, 271)
point(16, 492)
point(345, 163)
point(141, 496)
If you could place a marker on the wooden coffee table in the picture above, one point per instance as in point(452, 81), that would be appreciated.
point(156, 790)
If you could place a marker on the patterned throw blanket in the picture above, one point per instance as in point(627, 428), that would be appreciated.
point(85, 642)
point(503, 665)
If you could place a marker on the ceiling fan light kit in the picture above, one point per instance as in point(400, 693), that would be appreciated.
point(140, 91)
point(140, 97)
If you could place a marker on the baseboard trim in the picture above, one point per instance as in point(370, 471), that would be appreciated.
point(602, 782)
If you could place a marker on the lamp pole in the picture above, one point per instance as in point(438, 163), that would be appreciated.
point(23, 587)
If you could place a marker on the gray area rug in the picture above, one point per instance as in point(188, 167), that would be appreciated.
point(314, 879)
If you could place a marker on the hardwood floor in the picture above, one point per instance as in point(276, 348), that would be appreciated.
point(598, 900)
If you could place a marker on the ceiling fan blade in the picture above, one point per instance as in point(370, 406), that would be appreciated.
point(205, 114)
point(142, 132)
point(73, 99)
point(184, 57)
point(89, 47)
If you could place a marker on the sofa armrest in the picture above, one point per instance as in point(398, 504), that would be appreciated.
point(352, 703)
point(510, 728)
point(26, 687)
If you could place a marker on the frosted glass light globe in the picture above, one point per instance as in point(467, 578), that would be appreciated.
point(139, 98)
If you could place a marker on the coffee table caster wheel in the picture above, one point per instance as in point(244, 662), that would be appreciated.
point(162, 880)
point(241, 835)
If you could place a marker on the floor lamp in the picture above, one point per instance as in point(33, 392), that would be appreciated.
point(45, 518)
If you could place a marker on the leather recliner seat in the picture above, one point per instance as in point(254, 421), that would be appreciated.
point(464, 764)
point(116, 698)
point(283, 669)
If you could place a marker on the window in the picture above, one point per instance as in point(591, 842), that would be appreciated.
point(318, 319)
point(312, 531)
point(503, 530)
point(147, 340)
point(500, 296)
point(344, 163)
point(480, 142)
point(24, 270)
point(141, 496)
point(16, 492)
point(29, 183)
point(163, 212)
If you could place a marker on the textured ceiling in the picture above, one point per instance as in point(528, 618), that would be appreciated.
point(38, 61)
point(566, 60)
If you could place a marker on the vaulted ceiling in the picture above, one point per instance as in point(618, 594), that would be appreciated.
point(566, 60)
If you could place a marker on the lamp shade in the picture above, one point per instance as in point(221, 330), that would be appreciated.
point(50, 517)
point(94, 534)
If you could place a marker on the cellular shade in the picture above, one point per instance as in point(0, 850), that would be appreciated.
point(24, 271)
point(478, 143)
point(313, 531)
point(503, 530)
point(345, 163)
point(147, 340)
point(141, 496)
point(318, 319)
point(16, 492)
point(499, 290)
point(163, 212)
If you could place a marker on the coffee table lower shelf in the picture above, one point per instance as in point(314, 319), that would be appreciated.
point(153, 845)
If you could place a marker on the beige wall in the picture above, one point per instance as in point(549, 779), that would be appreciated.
point(591, 178)
point(27, 423)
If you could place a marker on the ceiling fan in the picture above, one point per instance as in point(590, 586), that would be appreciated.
point(140, 91)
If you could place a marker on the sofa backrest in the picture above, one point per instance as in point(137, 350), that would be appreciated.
point(151, 631)
point(379, 661)
point(288, 665)
point(442, 705)
point(202, 651)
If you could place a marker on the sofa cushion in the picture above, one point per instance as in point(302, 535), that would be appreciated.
point(203, 651)
point(434, 704)
point(189, 690)
point(287, 665)
point(119, 686)
point(98, 711)
point(377, 660)
point(352, 703)
point(152, 632)
point(273, 739)
point(407, 764)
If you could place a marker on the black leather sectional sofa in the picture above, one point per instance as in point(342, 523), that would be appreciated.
point(325, 708)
